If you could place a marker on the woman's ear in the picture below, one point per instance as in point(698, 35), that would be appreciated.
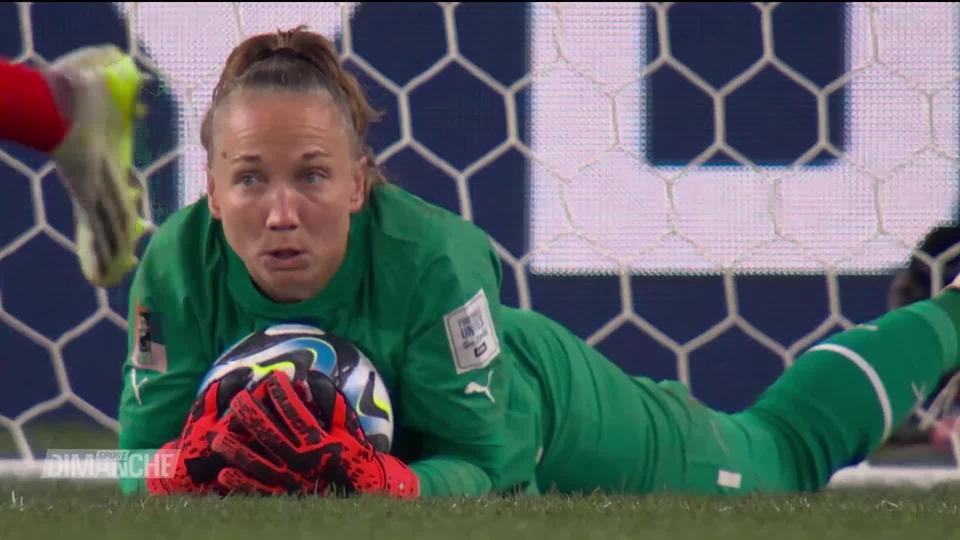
point(212, 202)
point(358, 191)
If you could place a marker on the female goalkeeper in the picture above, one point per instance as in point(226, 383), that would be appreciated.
point(298, 225)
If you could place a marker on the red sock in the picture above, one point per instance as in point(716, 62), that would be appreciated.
point(28, 112)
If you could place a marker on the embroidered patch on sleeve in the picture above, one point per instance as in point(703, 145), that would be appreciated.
point(149, 351)
point(473, 339)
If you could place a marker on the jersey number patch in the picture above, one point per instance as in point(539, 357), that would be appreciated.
point(473, 339)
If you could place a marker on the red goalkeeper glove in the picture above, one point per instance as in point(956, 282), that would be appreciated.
point(197, 466)
point(299, 453)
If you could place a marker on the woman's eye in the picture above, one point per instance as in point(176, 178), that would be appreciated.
point(247, 180)
point(314, 177)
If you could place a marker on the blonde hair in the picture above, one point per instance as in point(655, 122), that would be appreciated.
point(299, 61)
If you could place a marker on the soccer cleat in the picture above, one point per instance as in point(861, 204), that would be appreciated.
point(95, 160)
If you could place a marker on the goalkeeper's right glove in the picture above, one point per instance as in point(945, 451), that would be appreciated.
point(197, 467)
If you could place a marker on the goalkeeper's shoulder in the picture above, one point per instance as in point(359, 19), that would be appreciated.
point(423, 233)
point(182, 243)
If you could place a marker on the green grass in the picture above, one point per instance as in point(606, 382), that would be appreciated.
point(78, 512)
point(73, 431)
point(74, 511)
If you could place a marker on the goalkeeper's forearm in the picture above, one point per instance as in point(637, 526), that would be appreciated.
point(132, 440)
point(442, 476)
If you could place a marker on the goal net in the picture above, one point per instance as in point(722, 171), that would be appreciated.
point(701, 191)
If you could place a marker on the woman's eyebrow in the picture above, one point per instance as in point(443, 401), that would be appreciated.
point(251, 158)
point(313, 155)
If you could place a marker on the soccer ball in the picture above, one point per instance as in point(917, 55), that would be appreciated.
point(296, 349)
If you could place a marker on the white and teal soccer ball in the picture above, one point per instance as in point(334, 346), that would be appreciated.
point(297, 349)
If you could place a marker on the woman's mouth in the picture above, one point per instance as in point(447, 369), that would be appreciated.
point(285, 254)
point(285, 259)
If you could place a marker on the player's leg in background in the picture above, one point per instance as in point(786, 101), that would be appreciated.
point(842, 398)
point(82, 112)
point(34, 106)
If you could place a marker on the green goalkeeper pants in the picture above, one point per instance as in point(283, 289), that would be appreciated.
point(607, 431)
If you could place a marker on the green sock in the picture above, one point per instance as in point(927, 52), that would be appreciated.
point(844, 396)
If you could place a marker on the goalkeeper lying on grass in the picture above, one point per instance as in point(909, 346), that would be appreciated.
point(298, 225)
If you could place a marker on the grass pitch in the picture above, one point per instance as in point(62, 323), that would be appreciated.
point(50, 510)
point(74, 511)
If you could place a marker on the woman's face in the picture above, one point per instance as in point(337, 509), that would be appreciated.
point(284, 181)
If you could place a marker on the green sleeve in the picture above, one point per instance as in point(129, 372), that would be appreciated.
point(464, 435)
point(164, 363)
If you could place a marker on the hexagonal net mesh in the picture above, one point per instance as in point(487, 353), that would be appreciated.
point(663, 179)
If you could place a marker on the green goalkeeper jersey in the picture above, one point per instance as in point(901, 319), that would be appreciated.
point(486, 397)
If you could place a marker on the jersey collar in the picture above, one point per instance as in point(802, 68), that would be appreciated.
point(342, 291)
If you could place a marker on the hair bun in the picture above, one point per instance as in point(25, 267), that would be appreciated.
point(288, 52)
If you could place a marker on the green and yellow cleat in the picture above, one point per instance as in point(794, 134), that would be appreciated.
point(95, 160)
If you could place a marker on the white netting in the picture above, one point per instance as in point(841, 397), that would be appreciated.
point(597, 205)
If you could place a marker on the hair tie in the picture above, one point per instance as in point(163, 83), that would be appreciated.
point(289, 53)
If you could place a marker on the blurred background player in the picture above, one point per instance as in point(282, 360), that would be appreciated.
point(81, 112)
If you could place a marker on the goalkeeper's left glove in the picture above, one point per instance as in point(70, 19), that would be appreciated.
point(300, 453)
point(197, 466)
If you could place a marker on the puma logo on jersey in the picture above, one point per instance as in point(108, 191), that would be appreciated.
point(477, 388)
point(135, 386)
